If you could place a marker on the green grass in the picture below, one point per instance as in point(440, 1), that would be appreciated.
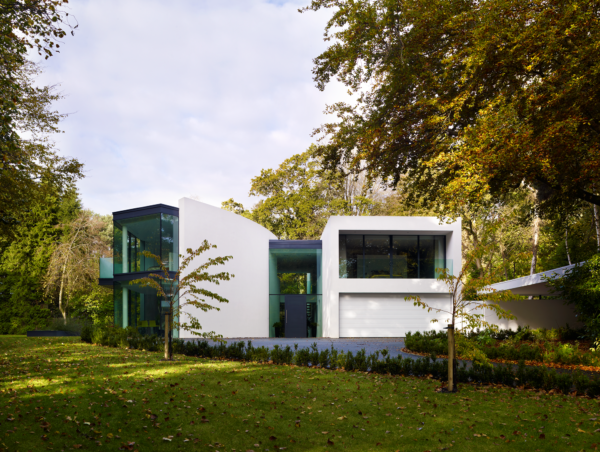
point(61, 394)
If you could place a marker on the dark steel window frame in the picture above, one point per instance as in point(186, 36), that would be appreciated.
point(390, 252)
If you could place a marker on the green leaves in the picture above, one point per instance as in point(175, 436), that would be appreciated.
point(465, 98)
point(300, 196)
point(180, 289)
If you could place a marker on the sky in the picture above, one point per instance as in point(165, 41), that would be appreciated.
point(193, 98)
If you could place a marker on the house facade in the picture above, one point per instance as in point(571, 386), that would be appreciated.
point(350, 283)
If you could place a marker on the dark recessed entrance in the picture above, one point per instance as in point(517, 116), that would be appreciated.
point(295, 316)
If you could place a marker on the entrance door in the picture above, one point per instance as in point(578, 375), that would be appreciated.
point(295, 316)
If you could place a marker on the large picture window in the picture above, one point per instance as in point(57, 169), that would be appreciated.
point(156, 233)
point(391, 256)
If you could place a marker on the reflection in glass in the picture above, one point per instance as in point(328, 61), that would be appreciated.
point(385, 256)
point(139, 307)
point(156, 233)
point(170, 242)
point(351, 256)
point(405, 256)
point(131, 238)
point(377, 256)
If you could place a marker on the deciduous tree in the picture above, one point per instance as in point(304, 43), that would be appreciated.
point(466, 98)
point(186, 289)
point(73, 265)
point(30, 169)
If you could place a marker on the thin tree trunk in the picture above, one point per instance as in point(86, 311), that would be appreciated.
point(167, 337)
point(567, 245)
point(475, 239)
point(597, 226)
point(536, 243)
point(504, 264)
point(63, 310)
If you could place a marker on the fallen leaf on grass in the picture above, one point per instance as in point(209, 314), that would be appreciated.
point(272, 438)
point(542, 436)
point(329, 442)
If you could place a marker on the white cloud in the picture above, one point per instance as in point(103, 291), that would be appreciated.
point(185, 97)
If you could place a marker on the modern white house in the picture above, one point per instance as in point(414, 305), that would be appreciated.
point(351, 283)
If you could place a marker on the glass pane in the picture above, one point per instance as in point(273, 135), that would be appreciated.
point(117, 248)
point(118, 303)
point(106, 267)
point(294, 271)
point(133, 236)
point(312, 316)
point(405, 256)
point(440, 253)
point(170, 242)
point(319, 282)
point(427, 256)
point(377, 256)
point(351, 256)
point(275, 323)
point(319, 315)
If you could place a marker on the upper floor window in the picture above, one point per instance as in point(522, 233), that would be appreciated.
point(157, 233)
point(391, 256)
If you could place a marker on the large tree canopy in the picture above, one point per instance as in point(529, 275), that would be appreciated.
point(299, 197)
point(466, 97)
point(29, 167)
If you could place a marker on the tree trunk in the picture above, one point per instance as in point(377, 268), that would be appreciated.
point(167, 337)
point(536, 243)
point(475, 239)
point(451, 350)
point(567, 245)
point(63, 310)
point(504, 264)
point(596, 220)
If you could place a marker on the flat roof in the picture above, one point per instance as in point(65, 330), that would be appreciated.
point(296, 244)
point(532, 284)
point(146, 210)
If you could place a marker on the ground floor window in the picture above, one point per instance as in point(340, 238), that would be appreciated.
point(141, 308)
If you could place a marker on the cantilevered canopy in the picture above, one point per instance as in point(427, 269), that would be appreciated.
point(533, 284)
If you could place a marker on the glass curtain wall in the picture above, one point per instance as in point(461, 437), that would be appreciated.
point(141, 308)
point(391, 256)
point(159, 234)
point(156, 233)
point(295, 272)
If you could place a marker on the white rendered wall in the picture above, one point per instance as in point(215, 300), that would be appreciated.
point(247, 313)
point(535, 314)
point(333, 285)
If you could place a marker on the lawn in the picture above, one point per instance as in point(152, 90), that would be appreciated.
point(61, 394)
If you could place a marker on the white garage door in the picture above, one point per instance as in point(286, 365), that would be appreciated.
point(388, 315)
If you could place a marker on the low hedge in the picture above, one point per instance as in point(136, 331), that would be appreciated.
point(377, 362)
point(381, 362)
point(112, 336)
point(512, 349)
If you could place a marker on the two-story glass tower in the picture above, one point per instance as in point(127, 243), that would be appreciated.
point(154, 229)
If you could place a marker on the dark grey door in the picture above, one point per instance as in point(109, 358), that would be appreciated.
point(295, 316)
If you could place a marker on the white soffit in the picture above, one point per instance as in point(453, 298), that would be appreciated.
point(533, 284)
